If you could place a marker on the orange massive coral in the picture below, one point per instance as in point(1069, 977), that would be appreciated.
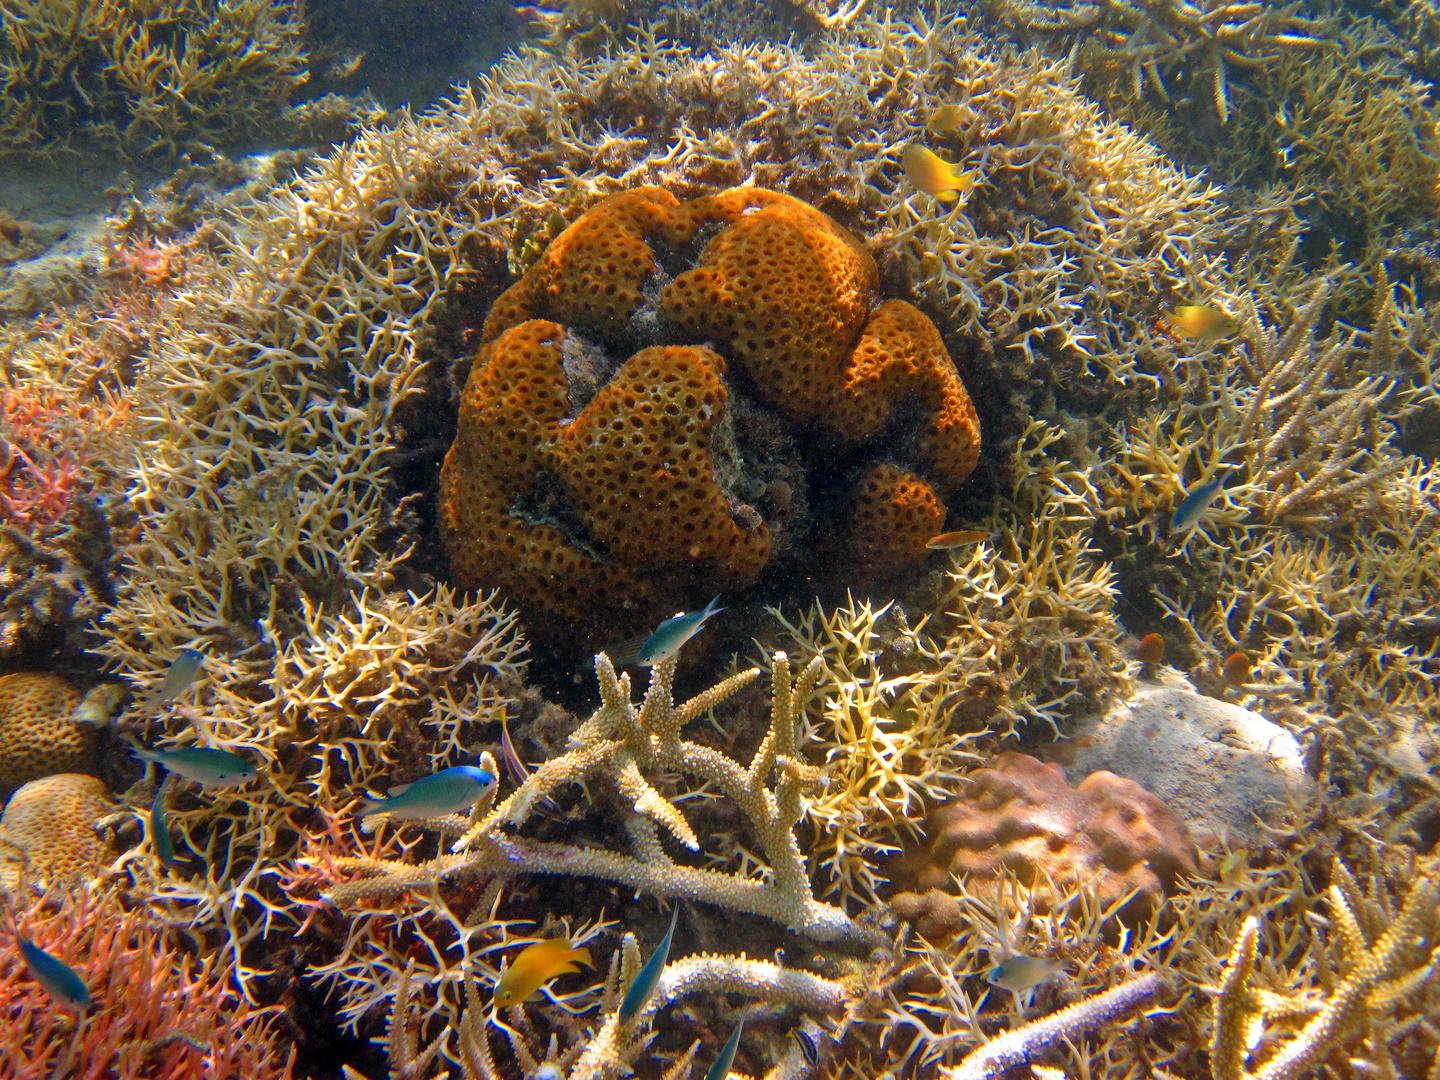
point(769, 401)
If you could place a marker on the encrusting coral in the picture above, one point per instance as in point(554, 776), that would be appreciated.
point(600, 499)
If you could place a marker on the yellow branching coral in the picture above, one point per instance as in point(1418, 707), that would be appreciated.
point(1173, 49)
point(144, 76)
point(885, 730)
point(1383, 957)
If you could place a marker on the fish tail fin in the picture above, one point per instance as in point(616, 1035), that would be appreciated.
point(582, 954)
point(711, 609)
point(140, 753)
point(368, 807)
point(627, 653)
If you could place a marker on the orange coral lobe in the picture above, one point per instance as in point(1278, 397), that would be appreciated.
point(601, 493)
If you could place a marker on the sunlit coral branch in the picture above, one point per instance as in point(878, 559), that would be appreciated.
point(1382, 966)
point(1308, 437)
point(1022, 1044)
point(623, 743)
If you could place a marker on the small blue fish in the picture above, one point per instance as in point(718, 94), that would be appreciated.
point(1021, 975)
point(674, 632)
point(447, 792)
point(182, 673)
point(213, 768)
point(1188, 515)
point(721, 1069)
point(58, 978)
point(649, 976)
point(159, 828)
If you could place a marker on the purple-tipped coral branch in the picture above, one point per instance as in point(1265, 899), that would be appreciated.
point(1024, 1043)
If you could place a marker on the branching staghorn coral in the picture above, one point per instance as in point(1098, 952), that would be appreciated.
point(1323, 107)
point(1030, 626)
point(146, 76)
point(1384, 957)
point(387, 687)
point(1047, 258)
point(609, 1048)
point(1173, 49)
point(1315, 443)
point(936, 1010)
point(623, 743)
point(885, 729)
point(1342, 615)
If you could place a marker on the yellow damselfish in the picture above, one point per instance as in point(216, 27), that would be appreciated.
point(536, 965)
point(934, 175)
point(1204, 323)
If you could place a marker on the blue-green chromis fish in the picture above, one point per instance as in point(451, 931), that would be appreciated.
point(1188, 514)
point(159, 828)
point(59, 979)
point(649, 976)
point(182, 673)
point(1021, 974)
point(721, 1069)
point(674, 632)
point(213, 768)
point(447, 792)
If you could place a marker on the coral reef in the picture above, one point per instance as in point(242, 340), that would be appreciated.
point(1322, 107)
point(48, 832)
point(158, 1014)
point(37, 735)
point(277, 385)
point(1019, 815)
point(158, 77)
point(1383, 957)
point(599, 499)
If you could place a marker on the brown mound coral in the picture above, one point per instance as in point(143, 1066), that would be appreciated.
point(599, 493)
point(48, 830)
point(37, 736)
point(1021, 817)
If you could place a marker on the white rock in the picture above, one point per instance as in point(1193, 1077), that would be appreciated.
point(1216, 765)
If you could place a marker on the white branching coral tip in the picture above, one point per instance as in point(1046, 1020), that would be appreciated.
point(1017, 1047)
